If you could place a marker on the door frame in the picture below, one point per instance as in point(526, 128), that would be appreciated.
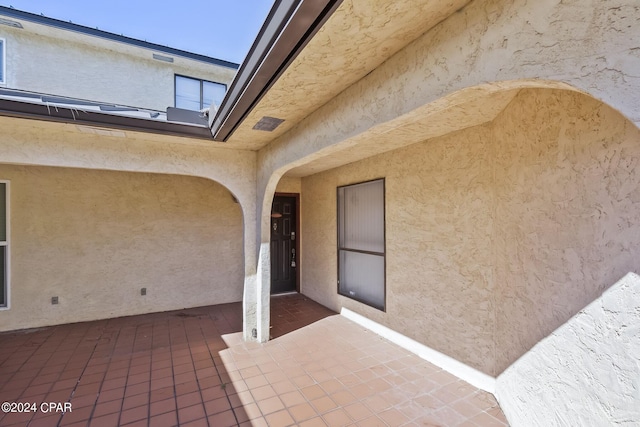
point(297, 241)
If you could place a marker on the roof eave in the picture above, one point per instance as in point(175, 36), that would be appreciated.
point(26, 110)
point(290, 25)
point(70, 26)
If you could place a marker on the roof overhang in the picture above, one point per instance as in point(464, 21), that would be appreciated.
point(288, 28)
point(58, 113)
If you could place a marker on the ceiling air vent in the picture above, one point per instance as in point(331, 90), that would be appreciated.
point(268, 124)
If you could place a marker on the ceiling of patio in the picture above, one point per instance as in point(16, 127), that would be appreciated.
point(429, 121)
point(358, 37)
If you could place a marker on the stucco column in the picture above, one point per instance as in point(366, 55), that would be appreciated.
point(263, 293)
point(249, 298)
point(257, 286)
point(263, 285)
point(258, 291)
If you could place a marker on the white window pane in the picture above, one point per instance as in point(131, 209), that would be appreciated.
point(212, 93)
point(363, 221)
point(362, 277)
point(187, 93)
point(361, 258)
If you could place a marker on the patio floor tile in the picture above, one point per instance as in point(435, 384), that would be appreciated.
point(192, 367)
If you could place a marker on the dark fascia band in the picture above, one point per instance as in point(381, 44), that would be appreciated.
point(288, 28)
point(57, 113)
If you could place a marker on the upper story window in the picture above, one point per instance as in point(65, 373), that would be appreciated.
point(2, 61)
point(361, 242)
point(196, 94)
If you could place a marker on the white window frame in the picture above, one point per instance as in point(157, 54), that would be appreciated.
point(7, 245)
point(202, 82)
point(3, 55)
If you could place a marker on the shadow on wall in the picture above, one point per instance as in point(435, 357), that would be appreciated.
point(586, 372)
point(567, 213)
point(497, 234)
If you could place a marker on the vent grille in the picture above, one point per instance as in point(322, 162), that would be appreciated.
point(268, 124)
point(162, 57)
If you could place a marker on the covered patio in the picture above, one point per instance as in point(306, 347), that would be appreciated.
point(192, 368)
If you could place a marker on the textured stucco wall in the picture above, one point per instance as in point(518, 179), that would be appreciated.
point(38, 143)
point(289, 185)
point(497, 234)
point(47, 60)
point(567, 213)
point(585, 373)
point(94, 238)
point(590, 46)
point(438, 229)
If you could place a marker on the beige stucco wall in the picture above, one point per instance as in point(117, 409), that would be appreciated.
point(438, 218)
point(489, 46)
point(590, 46)
point(94, 238)
point(567, 213)
point(289, 185)
point(497, 234)
point(39, 143)
point(44, 59)
point(586, 373)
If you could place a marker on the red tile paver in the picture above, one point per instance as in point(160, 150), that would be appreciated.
point(191, 367)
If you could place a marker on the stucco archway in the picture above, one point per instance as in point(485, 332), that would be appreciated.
point(479, 106)
point(37, 143)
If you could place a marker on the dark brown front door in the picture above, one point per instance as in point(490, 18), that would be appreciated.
point(283, 244)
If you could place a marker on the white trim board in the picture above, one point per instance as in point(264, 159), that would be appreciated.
point(3, 61)
point(464, 372)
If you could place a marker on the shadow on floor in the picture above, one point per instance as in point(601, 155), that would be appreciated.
point(294, 311)
point(191, 368)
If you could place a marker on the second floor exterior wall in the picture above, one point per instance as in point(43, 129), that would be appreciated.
point(56, 61)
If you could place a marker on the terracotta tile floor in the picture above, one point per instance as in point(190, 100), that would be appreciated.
point(191, 368)
point(294, 311)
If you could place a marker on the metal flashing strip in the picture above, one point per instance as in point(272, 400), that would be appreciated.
point(81, 104)
point(65, 114)
point(70, 26)
point(288, 28)
point(182, 115)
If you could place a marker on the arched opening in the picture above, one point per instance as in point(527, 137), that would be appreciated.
point(509, 208)
point(112, 243)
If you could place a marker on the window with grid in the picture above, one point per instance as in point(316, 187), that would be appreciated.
point(195, 94)
point(361, 242)
point(4, 244)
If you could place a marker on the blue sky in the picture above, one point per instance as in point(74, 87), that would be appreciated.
point(222, 29)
